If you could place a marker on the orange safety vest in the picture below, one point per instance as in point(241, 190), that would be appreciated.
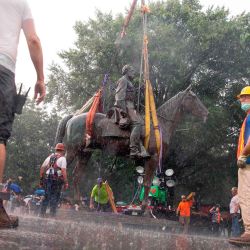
point(241, 142)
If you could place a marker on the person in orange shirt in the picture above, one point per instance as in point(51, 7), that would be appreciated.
point(184, 208)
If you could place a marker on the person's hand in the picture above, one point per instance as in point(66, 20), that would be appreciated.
point(91, 206)
point(40, 91)
point(241, 162)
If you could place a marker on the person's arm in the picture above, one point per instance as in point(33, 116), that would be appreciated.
point(211, 210)
point(42, 168)
point(237, 205)
point(65, 178)
point(178, 209)
point(41, 172)
point(62, 163)
point(246, 149)
point(91, 203)
point(36, 54)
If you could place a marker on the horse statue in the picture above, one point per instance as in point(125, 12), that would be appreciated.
point(109, 138)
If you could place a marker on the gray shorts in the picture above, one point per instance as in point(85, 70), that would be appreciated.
point(184, 220)
point(7, 103)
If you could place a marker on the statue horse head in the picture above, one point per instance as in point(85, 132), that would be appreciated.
point(171, 112)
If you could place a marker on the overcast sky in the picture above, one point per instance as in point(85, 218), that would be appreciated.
point(54, 20)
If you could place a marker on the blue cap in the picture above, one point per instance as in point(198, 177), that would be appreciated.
point(99, 180)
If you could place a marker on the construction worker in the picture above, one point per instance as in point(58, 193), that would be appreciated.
point(99, 198)
point(243, 163)
point(124, 99)
point(184, 208)
point(53, 176)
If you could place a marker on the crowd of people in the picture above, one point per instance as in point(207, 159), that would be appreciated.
point(229, 219)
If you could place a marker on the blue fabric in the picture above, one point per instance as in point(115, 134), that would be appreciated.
point(15, 188)
point(247, 134)
point(235, 226)
point(40, 192)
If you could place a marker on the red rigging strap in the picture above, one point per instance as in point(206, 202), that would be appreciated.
point(91, 115)
point(127, 20)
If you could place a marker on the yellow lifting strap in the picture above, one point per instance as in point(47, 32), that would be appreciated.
point(150, 109)
point(150, 104)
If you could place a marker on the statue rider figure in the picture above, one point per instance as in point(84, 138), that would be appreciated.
point(124, 99)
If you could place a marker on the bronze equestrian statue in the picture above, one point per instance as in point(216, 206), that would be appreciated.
point(108, 137)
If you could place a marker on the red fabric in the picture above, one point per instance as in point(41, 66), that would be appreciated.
point(184, 208)
point(219, 217)
point(91, 113)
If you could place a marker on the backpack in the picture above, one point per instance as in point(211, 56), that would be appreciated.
point(52, 170)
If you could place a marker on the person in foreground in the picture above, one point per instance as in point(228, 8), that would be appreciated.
point(15, 15)
point(243, 163)
point(53, 176)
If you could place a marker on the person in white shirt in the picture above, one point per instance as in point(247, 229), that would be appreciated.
point(53, 176)
point(15, 15)
point(235, 212)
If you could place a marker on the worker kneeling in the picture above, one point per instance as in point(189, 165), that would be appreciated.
point(99, 198)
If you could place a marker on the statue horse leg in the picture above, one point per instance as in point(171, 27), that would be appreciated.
point(150, 167)
point(82, 161)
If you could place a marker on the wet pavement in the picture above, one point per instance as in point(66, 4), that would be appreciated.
point(86, 230)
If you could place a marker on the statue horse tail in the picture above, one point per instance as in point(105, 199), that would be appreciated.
point(60, 132)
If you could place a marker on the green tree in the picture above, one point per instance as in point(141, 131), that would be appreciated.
point(208, 49)
point(31, 142)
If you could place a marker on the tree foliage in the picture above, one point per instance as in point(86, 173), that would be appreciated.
point(31, 142)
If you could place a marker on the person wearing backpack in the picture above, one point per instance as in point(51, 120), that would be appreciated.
point(53, 176)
